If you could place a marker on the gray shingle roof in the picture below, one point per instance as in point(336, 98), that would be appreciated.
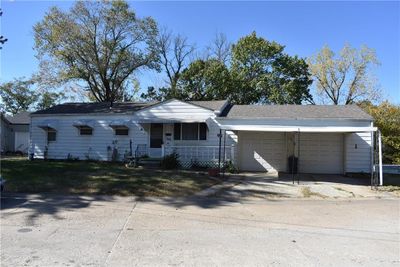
point(298, 112)
point(213, 105)
point(117, 108)
point(20, 118)
point(92, 108)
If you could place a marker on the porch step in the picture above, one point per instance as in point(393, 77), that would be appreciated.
point(150, 162)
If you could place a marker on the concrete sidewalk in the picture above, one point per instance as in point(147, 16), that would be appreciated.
point(199, 231)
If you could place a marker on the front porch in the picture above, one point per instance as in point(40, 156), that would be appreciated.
point(197, 144)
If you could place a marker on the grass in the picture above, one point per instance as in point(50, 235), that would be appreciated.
point(307, 193)
point(79, 177)
point(346, 191)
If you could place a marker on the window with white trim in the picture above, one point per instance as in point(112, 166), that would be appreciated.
point(121, 130)
point(51, 135)
point(85, 130)
point(190, 131)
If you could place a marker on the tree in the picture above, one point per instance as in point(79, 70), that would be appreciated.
point(346, 78)
point(220, 49)
point(265, 74)
point(387, 119)
point(154, 94)
point(205, 80)
point(101, 43)
point(174, 54)
point(18, 95)
point(3, 40)
point(49, 99)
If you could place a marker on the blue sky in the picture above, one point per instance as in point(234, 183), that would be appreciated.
point(303, 27)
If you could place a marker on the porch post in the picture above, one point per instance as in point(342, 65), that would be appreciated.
point(372, 151)
point(298, 158)
point(219, 149)
point(223, 173)
point(380, 158)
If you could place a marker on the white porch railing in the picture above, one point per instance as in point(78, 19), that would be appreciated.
point(202, 153)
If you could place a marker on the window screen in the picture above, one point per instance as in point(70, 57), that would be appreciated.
point(190, 131)
point(51, 135)
point(177, 131)
point(203, 131)
point(85, 130)
point(121, 131)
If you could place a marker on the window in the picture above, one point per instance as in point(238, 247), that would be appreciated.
point(156, 135)
point(51, 135)
point(122, 131)
point(190, 131)
point(85, 130)
point(203, 131)
point(177, 131)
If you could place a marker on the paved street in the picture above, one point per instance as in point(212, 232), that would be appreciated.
point(115, 231)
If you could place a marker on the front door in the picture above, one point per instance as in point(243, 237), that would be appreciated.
point(156, 140)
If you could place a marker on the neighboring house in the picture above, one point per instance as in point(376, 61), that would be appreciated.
point(326, 139)
point(19, 124)
point(15, 132)
point(5, 134)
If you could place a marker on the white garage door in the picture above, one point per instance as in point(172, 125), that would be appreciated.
point(321, 153)
point(262, 151)
point(21, 141)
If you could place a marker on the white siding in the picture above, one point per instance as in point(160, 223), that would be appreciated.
point(175, 110)
point(95, 146)
point(69, 141)
point(5, 135)
point(358, 152)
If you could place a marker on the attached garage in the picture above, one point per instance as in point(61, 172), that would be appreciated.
point(325, 139)
point(269, 151)
point(262, 151)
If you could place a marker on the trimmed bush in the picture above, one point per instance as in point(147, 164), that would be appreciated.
point(170, 162)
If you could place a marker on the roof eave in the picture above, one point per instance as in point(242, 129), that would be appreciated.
point(280, 118)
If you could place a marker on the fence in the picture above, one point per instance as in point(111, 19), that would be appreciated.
point(202, 156)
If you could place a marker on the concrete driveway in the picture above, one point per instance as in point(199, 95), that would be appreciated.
point(305, 186)
point(39, 230)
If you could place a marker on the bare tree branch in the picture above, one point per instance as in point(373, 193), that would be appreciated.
point(346, 77)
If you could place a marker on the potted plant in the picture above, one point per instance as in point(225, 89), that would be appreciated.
point(214, 172)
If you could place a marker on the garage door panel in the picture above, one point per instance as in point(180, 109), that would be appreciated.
point(262, 151)
point(321, 153)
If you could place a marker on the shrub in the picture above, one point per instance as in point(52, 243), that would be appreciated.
point(170, 162)
point(229, 167)
point(72, 158)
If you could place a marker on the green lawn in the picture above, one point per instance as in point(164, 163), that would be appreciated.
point(38, 176)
